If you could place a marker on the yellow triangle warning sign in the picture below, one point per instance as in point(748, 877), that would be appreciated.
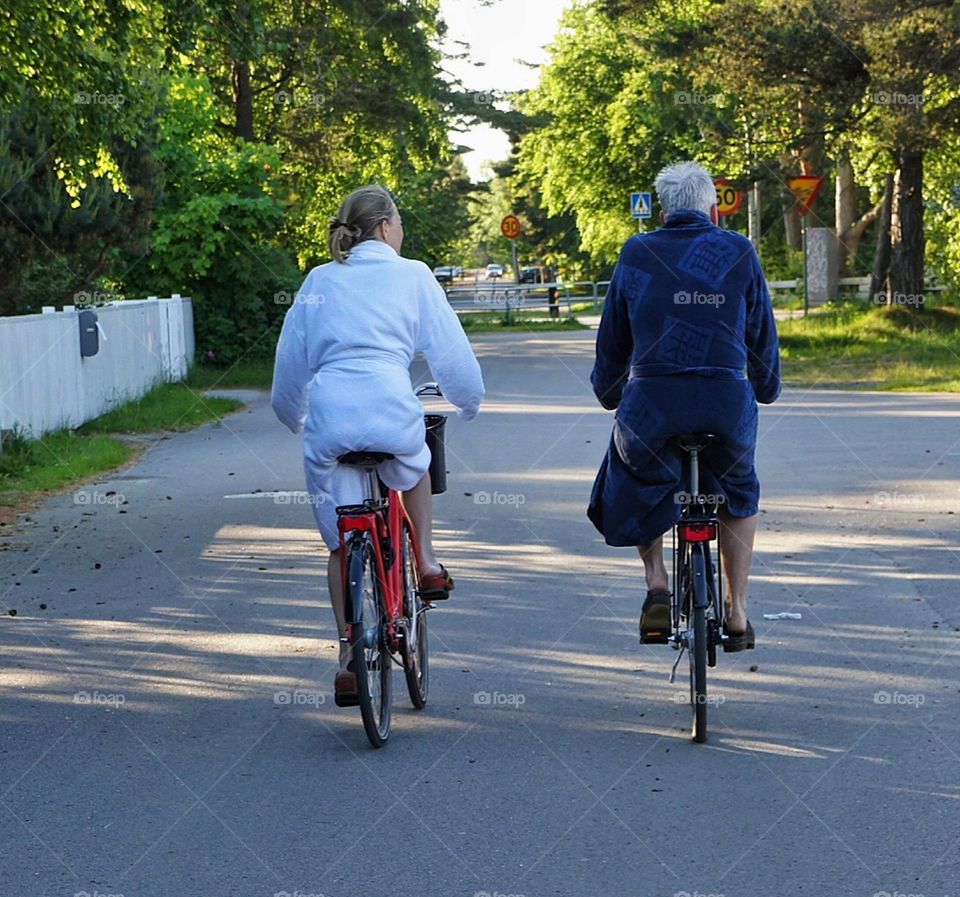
point(805, 188)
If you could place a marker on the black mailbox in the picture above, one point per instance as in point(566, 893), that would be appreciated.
point(89, 334)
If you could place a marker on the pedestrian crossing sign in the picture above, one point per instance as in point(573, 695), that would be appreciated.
point(641, 205)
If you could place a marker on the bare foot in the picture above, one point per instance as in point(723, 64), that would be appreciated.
point(735, 621)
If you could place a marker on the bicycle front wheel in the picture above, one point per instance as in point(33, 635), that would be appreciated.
point(416, 658)
point(371, 657)
point(697, 641)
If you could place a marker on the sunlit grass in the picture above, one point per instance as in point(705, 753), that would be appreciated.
point(172, 406)
point(866, 347)
point(496, 322)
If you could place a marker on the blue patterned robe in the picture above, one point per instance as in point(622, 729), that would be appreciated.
point(687, 343)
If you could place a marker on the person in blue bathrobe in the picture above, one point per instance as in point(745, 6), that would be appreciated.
point(687, 344)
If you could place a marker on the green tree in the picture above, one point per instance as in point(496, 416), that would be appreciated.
point(215, 231)
point(615, 113)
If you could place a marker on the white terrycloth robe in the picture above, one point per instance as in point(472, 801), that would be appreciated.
point(342, 374)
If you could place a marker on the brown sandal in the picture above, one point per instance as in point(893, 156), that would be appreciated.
point(345, 692)
point(436, 586)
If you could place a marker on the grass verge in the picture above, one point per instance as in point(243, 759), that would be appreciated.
point(858, 346)
point(55, 460)
point(494, 322)
point(32, 467)
point(243, 375)
point(172, 406)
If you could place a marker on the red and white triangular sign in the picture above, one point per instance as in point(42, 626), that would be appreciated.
point(805, 188)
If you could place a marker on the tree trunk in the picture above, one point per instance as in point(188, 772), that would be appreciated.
point(753, 214)
point(791, 220)
point(846, 210)
point(881, 260)
point(791, 223)
point(243, 100)
point(906, 231)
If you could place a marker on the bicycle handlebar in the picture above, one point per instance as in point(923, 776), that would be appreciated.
point(428, 389)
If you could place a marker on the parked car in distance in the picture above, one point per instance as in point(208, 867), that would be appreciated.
point(494, 270)
point(534, 274)
point(446, 273)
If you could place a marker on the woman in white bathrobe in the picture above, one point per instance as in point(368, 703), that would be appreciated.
point(342, 378)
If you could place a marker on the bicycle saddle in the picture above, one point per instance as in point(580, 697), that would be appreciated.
point(364, 459)
point(696, 441)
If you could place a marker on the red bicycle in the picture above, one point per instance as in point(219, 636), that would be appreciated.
point(386, 610)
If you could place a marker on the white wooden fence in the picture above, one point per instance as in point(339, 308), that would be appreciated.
point(46, 385)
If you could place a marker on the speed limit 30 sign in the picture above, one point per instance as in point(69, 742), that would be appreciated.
point(510, 227)
point(729, 197)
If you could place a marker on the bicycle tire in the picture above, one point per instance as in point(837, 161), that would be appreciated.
point(415, 645)
point(713, 615)
point(371, 657)
point(697, 650)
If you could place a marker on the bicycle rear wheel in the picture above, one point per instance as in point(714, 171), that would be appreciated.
point(414, 647)
point(371, 658)
point(697, 641)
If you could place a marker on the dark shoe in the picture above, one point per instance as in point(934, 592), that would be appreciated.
point(743, 641)
point(345, 692)
point(655, 617)
point(436, 586)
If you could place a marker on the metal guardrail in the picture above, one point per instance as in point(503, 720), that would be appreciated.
point(845, 284)
point(497, 295)
point(493, 295)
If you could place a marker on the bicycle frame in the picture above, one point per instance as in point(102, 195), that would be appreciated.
point(699, 525)
point(383, 519)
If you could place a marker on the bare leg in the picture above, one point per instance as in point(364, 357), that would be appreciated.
point(335, 585)
point(736, 549)
point(419, 504)
point(653, 566)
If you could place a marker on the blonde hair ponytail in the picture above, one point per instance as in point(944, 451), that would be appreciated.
point(358, 218)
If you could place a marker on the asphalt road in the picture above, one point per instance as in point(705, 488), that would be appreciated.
point(166, 717)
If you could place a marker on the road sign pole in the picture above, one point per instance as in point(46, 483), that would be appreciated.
point(510, 227)
point(803, 243)
point(516, 277)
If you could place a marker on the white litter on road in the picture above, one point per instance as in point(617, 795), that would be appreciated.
point(783, 615)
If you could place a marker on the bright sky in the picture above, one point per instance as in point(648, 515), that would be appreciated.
point(502, 37)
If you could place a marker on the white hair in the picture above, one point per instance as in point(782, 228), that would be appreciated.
point(685, 185)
